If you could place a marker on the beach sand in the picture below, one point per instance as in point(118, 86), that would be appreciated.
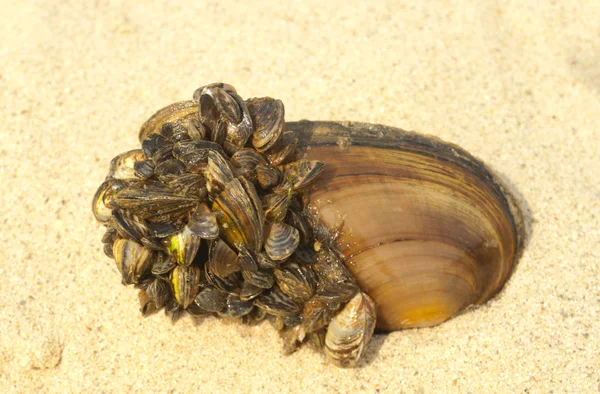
point(515, 83)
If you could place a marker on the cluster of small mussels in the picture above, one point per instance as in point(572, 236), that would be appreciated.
point(208, 217)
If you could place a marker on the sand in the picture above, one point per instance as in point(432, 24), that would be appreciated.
point(515, 83)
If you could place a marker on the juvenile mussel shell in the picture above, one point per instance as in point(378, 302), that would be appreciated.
point(133, 260)
point(282, 241)
point(349, 331)
point(171, 113)
point(428, 229)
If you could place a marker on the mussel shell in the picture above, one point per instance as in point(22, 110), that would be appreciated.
point(240, 214)
point(276, 206)
point(133, 260)
point(108, 250)
point(183, 246)
point(238, 133)
point(159, 292)
point(349, 331)
point(163, 264)
point(147, 306)
point(338, 293)
point(228, 284)
point(185, 283)
point(171, 113)
point(154, 142)
point(428, 228)
point(296, 281)
point(211, 299)
point(154, 202)
point(169, 170)
point(302, 173)
point(163, 230)
point(218, 173)
point(123, 165)
point(144, 168)
point(282, 151)
point(276, 303)
point(176, 131)
point(245, 162)
point(264, 262)
point(217, 104)
point(222, 260)
point(300, 222)
point(247, 259)
point(267, 176)
point(292, 338)
point(101, 211)
point(225, 86)
point(195, 129)
point(134, 228)
point(249, 291)
point(282, 241)
point(316, 314)
point(194, 154)
point(263, 279)
point(268, 120)
point(329, 269)
point(203, 223)
point(110, 235)
point(189, 185)
point(235, 307)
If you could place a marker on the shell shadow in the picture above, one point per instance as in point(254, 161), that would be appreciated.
point(371, 353)
point(526, 212)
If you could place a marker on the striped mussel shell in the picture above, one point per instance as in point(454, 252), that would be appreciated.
point(211, 299)
point(133, 260)
point(185, 282)
point(222, 260)
point(203, 223)
point(183, 246)
point(174, 112)
point(282, 241)
point(350, 330)
point(122, 166)
point(268, 120)
point(240, 214)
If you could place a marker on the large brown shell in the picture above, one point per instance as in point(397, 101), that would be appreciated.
point(428, 229)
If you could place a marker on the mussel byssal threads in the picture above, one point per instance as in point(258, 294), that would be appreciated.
point(329, 230)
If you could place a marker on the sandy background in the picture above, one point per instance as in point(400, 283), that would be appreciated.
point(515, 83)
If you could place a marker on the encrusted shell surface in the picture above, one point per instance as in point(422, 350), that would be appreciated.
point(327, 228)
point(428, 229)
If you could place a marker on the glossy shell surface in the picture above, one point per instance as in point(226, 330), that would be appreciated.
point(428, 229)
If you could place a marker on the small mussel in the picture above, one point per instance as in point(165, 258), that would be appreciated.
point(350, 330)
point(328, 230)
point(185, 283)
